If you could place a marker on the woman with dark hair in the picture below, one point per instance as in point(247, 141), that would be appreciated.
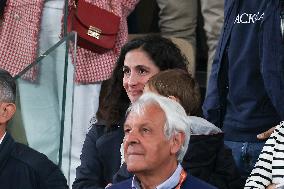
point(139, 60)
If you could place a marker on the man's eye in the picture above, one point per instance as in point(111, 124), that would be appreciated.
point(126, 131)
point(145, 130)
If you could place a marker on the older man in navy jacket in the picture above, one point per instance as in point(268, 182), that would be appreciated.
point(21, 166)
point(155, 145)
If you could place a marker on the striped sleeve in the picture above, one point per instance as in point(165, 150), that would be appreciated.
point(270, 165)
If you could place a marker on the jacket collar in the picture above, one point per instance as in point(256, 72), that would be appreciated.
point(6, 148)
point(1, 139)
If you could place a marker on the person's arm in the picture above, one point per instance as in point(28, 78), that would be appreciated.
point(266, 134)
point(42, 172)
point(271, 186)
point(211, 104)
point(261, 175)
point(89, 175)
point(272, 74)
point(55, 180)
point(215, 100)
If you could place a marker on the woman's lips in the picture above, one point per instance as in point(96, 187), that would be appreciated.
point(135, 93)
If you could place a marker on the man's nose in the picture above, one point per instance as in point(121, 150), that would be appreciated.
point(131, 137)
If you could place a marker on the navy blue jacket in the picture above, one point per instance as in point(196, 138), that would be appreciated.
point(23, 167)
point(208, 159)
point(100, 158)
point(245, 94)
point(189, 183)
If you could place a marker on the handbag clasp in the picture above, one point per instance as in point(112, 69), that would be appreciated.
point(94, 32)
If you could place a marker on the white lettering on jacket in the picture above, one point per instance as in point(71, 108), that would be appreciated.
point(246, 18)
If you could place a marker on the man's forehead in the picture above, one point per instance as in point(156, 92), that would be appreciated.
point(147, 114)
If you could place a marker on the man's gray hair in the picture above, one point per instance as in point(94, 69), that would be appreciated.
point(7, 87)
point(176, 118)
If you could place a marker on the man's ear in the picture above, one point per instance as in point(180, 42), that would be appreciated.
point(7, 110)
point(177, 142)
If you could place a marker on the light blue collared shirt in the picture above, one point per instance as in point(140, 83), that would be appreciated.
point(2, 138)
point(169, 183)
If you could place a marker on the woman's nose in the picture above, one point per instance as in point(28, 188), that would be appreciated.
point(133, 79)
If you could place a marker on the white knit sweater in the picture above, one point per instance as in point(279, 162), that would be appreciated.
point(270, 165)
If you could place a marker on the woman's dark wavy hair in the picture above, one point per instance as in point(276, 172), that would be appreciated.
point(113, 98)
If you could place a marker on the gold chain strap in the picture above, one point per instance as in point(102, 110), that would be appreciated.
point(74, 4)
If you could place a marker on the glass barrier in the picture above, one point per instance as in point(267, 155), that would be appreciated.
point(44, 107)
point(44, 116)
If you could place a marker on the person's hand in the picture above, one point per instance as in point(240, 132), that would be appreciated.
point(271, 186)
point(265, 134)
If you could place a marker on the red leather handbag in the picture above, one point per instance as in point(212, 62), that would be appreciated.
point(96, 28)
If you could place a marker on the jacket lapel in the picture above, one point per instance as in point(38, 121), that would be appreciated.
point(6, 148)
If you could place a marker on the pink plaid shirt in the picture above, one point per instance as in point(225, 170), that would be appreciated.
point(19, 40)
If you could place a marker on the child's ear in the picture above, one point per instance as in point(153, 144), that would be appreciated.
point(146, 88)
point(174, 98)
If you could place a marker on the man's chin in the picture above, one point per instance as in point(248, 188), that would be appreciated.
point(134, 168)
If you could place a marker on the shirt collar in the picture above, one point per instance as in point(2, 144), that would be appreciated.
point(169, 183)
point(2, 138)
